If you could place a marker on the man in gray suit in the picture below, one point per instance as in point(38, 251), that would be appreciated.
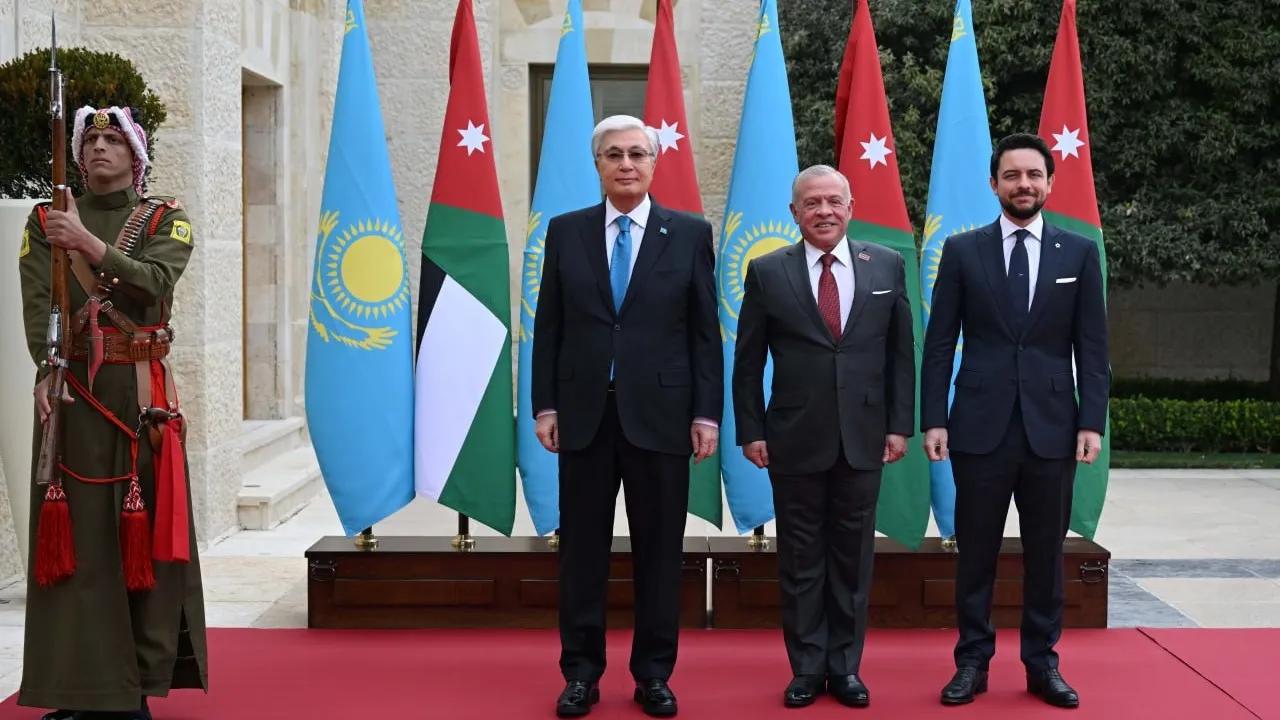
point(834, 315)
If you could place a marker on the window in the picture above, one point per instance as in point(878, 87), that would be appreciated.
point(615, 90)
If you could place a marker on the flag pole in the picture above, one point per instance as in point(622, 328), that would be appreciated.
point(758, 541)
point(366, 540)
point(463, 542)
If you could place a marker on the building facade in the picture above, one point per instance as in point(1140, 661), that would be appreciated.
point(249, 87)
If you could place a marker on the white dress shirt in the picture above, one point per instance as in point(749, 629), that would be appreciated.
point(842, 269)
point(639, 219)
point(1036, 228)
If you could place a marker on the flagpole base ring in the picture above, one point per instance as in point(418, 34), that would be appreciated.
point(949, 544)
point(365, 541)
point(463, 543)
point(758, 542)
point(553, 542)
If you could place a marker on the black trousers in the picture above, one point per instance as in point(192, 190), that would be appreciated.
point(826, 546)
point(1042, 489)
point(657, 496)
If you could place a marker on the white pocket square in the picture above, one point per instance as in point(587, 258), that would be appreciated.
point(880, 292)
point(1063, 281)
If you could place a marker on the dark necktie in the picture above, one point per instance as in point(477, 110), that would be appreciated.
point(1019, 280)
point(829, 297)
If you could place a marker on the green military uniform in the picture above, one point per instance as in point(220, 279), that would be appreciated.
point(90, 643)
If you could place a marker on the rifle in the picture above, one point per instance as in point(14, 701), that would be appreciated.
point(59, 340)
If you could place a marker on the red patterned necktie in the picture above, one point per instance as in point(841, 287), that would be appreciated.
point(829, 297)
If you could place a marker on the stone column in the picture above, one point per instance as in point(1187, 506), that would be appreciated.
point(189, 53)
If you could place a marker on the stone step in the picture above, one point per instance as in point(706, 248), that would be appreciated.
point(278, 489)
point(265, 440)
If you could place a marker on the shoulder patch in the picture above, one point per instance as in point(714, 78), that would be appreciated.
point(181, 231)
point(26, 243)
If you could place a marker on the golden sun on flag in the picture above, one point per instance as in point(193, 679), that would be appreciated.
point(740, 248)
point(362, 276)
point(365, 270)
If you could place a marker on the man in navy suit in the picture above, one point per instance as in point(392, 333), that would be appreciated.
point(628, 382)
point(1028, 298)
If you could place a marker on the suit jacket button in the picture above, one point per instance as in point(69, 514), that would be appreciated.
point(1019, 347)
point(617, 327)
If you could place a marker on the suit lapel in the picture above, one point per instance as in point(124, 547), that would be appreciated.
point(861, 285)
point(797, 267)
point(1049, 257)
point(991, 250)
point(592, 234)
point(652, 244)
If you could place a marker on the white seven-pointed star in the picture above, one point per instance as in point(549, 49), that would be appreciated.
point(669, 137)
point(473, 138)
point(875, 150)
point(1069, 142)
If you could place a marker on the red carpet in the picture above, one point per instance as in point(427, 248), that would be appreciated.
point(729, 674)
point(1243, 663)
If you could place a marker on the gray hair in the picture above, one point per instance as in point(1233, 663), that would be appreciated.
point(817, 171)
point(617, 123)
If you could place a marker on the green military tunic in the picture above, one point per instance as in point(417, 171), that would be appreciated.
point(90, 644)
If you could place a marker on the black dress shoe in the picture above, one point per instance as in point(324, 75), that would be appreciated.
point(967, 682)
point(655, 697)
point(803, 690)
point(1050, 686)
point(848, 690)
point(577, 698)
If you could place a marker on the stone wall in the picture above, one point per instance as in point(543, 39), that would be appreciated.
point(1192, 331)
point(195, 54)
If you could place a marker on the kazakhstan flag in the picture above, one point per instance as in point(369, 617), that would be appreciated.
point(359, 384)
point(567, 180)
point(960, 199)
point(757, 221)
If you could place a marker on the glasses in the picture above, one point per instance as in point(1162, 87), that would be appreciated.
point(615, 156)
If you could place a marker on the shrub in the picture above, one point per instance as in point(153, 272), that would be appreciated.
point(90, 78)
point(1210, 426)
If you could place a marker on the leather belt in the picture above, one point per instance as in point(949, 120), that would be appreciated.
point(121, 349)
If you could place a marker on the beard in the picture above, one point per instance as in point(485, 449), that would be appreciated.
point(1014, 211)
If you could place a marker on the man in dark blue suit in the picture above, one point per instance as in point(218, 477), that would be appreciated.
point(628, 382)
point(1028, 298)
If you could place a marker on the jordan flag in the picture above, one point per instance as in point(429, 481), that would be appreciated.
point(865, 153)
point(1073, 205)
point(675, 185)
point(464, 444)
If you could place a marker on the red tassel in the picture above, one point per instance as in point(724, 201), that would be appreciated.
point(55, 547)
point(172, 535)
point(135, 541)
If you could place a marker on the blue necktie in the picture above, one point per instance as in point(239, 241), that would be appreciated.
point(1019, 280)
point(620, 263)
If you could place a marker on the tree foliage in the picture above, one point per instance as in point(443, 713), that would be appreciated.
point(1184, 114)
point(90, 78)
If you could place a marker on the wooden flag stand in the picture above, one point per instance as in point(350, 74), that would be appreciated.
point(465, 581)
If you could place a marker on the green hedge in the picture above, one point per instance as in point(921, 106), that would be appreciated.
point(1170, 425)
point(1176, 389)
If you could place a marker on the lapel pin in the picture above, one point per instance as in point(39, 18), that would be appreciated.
point(864, 257)
point(1057, 245)
point(662, 231)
